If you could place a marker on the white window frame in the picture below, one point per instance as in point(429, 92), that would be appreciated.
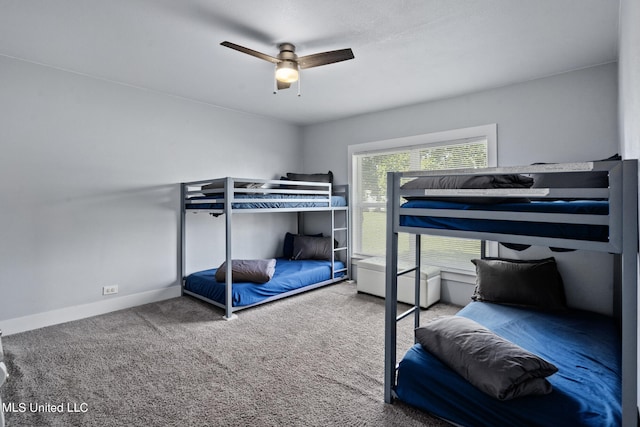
point(489, 131)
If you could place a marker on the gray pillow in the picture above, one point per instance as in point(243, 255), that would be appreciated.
point(310, 177)
point(535, 283)
point(449, 182)
point(573, 179)
point(469, 181)
point(491, 363)
point(308, 247)
point(218, 185)
point(287, 247)
point(248, 270)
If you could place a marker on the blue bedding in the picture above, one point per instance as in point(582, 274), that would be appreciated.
point(288, 201)
point(568, 231)
point(289, 276)
point(586, 390)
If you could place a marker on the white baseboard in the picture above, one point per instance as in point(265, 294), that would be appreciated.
point(54, 317)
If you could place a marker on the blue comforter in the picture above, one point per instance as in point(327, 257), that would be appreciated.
point(291, 201)
point(586, 390)
point(289, 276)
point(558, 230)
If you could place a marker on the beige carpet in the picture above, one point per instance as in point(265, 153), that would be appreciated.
point(315, 359)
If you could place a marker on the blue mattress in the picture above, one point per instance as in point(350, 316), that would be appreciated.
point(288, 201)
point(289, 276)
point(586, 390)
point(568, 231)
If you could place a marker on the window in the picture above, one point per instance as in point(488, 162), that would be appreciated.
point(472, 147)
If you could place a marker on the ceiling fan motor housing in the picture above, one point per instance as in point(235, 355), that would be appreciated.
point(287, 52)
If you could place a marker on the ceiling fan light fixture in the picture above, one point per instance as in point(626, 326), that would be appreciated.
point(287, 72)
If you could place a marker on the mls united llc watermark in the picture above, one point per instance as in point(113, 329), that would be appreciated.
point(66, 407)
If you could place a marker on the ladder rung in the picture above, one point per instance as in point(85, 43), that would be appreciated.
point(406, 313)
point(339, 271)
point(408, 270)
point(340, 249)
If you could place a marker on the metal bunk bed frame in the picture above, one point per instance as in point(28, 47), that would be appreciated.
point(226, 194)
point(622, 221)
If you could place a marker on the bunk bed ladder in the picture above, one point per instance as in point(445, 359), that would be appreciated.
point(391, 291)
point(343, 248)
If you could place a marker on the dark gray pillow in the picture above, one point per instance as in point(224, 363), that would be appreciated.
point(248, 270)
point(491, 363)
point(219, 185)
point(573, 179)
point(287, 247)
point(469, 181)
point(535, 283)
point(308, 247)
point(311, 177)
point(452, 182)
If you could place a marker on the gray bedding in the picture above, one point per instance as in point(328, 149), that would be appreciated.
point(248, 270)
point(492, 364)
point(449, 182)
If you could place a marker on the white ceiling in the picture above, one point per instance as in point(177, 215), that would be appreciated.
point(406, 51)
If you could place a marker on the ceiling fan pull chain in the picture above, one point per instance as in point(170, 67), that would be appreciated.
point(275, 81)
point(299, 79)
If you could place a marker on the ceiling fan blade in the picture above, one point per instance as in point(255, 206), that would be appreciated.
point(283, 85)
point(250, 52)
point(325, 58)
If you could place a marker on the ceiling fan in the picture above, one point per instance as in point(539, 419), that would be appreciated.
point(288, 63)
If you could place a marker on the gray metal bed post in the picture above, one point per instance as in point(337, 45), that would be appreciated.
point(347, 224)
point(333, 239)
point(182, 237)
point(630, 294)
point(228, 210)
point(300, 220)
point(416, 312)
point(391, 291)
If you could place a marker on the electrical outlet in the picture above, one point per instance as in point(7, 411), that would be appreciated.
point(109, 290)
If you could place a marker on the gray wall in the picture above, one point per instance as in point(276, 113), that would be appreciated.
point(90, 170)
point(630, 78)
point(89, 181)
point(563, 118)
point(630, 86)
point(568, 117)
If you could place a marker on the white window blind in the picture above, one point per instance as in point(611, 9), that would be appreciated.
point(370, 186)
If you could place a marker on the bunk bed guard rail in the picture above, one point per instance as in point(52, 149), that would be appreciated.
point(485, 211)
point(249, 195)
